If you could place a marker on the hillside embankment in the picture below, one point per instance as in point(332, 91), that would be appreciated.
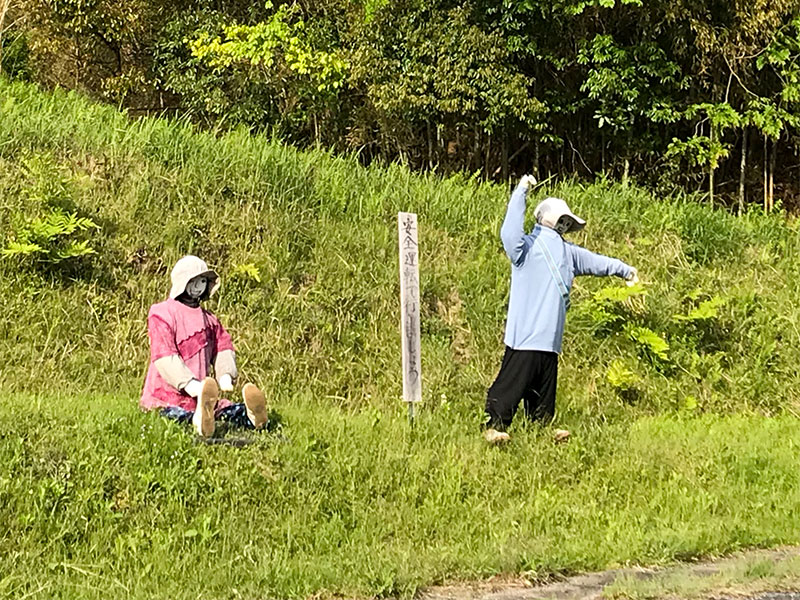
point(681, 393)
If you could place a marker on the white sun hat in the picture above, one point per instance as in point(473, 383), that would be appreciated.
point(550, 210)
point(188, 268)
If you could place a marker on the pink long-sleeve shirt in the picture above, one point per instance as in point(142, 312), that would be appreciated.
point(195, 335)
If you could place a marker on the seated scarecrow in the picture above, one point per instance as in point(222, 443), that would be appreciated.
point(186, 342)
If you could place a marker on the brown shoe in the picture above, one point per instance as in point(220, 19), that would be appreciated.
point(203, 419)
point(560, 435)
point(256, 405)
point(495, 437)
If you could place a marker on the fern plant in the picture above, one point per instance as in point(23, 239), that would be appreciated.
point(612, 305)
point(649, 341)
point(51, 239)
point(707, 309)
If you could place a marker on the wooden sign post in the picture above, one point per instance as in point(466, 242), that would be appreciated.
point(410, 310)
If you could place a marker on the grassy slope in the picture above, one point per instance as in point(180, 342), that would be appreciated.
point(99, 497)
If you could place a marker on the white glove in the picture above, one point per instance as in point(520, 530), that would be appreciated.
point(633, 278)
point(527, 181)
point(225, 382)
point(193, 388)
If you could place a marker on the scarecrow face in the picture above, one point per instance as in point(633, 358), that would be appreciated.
point(564, 224)
point(197, 286)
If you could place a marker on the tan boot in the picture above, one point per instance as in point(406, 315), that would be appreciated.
point(203, 419)
point(560, 435)
point(495, 437)
point(256, 405)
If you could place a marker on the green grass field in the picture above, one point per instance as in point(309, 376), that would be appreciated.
point(107, 502)
point(681, 394)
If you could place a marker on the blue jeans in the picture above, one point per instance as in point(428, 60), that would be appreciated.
point(235, 414)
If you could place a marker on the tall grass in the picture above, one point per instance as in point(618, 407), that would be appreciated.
point(320, 231)
point(677, 460)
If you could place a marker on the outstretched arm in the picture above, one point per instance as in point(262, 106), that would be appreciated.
point(512, 233)
point(585, 262)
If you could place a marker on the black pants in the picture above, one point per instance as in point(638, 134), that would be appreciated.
point(529, 375)
point(235, 414)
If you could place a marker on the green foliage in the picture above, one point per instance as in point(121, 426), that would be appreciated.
point(698, 151)
point(613, 304)
point(428, 77)
point(49, 230)
point(649, 341)
point(15, 56)
point(625, 82)
point(660, 91)
point(620, 376)
point(707, 309)
point(50, 239)
point(248, 270)
point(280, 48)
point(782, 54)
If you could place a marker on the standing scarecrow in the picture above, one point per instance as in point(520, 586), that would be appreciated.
point(543, 266)
point(186, 341)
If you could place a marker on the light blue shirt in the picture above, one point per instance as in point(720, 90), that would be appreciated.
point(536, 310)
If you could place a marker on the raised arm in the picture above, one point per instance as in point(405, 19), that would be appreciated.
point(585, 262)
point(512, 233)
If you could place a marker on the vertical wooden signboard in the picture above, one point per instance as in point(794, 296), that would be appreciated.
point(409, 309)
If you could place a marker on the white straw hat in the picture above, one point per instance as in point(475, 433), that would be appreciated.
point(550, 210)
point(188, 268)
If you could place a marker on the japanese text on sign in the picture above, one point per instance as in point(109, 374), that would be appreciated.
point(409, 307)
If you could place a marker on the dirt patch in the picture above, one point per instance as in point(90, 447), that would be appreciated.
point(590, 586)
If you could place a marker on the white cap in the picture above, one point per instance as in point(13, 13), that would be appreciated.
point(187, 269)
point(550, 210)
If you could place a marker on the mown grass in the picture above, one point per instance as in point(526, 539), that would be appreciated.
point(108, 502)
point(692, 454)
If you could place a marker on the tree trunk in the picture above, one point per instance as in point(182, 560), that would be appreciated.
point(536, 157)
point(439, 150)
point(766, 187)
point(603, 152)
point(4, 4)
point(772, 174)
point(742, 170)
point(77, 60)
point(711, 167)
point(487, 158)
point(504, 159)
point(430, 143)
point(627, 166)
point(475, 159)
